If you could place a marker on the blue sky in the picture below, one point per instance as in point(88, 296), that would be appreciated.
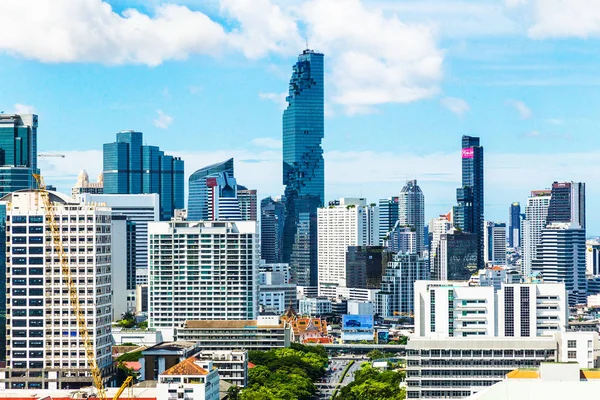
point(405, 79)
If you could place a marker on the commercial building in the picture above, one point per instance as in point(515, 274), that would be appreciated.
point(494, 239)
point(347, 222)
point(18, 158)
point(303, 165)
point(396, 296)
point(536, 214)
point(567, 203)
point(191, 379)
point(314, 306)
point(232, 365)
point(202, 271)
point(592, 257)
point(199, 191)
point(133, 168)
point(355, 307)
point(561, 258)
point(139, 209)
point(437, 227)
point(457, 256)
point(264, 333)
point(163, 356)
point(276, 294)
point(83, 185)
point(411, 211)
point(45, 350)
point(468, 214)
point(365, 265)
point(272, 218)
point(248, 201)
point(402, 239)
point(514, 225)
point(388, 216)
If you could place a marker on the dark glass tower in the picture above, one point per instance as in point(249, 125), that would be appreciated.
point(468, 214)
point(303, 164)
point(133, 168)
point(198, 197)
point(567, 203)
point(272, 217)
point(514, 225)
point(412, 211)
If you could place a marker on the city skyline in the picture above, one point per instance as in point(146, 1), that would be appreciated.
point(532, 124)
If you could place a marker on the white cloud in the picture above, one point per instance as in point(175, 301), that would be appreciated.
point(562, 18)
point(522, 109)
point(456, 105)
point(278, 98)
point(515, 3)
point(24, 109)
point(163, 120)
point(269, 143)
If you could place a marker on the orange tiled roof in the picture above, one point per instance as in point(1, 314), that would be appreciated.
point(589, 374)
point(186, 367)
point(523, 374)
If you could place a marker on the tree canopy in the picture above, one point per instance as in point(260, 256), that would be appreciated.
point(373, 384)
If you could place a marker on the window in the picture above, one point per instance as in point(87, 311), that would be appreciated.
point(19, 281)
point(36, 281)
point(36, 260)
point(36, 229)
point(36, 219)
point(36, 323)
point(36, 239)
point(19, 292)
point(36, 250)
point(36, 271)
point(36, 302)
point(571, 355)
point(19, 239)
point(36, 364)
point(19, 219)
point(36, 313)
point(19, 313)
point(19, 322)
point(18, 271)
point(572, 344)
point(36, 333)
point(19, 229)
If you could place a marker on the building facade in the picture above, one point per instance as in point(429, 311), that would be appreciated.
point(536, 214)
point(133, 168)
point(198, 193)
point(494, 241)
point(314, 306)
point(388, 216)
point(411, 212)
point(202, 271)
point(18, 156)
point(248, 200)
point(457, 256)
point(83, 185)
point(567, 203)
point(514, 225)
point(365, 265)
point(592, 257)
point(437, 227)
point(272, 218)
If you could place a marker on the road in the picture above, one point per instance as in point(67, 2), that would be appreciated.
point(337, 366)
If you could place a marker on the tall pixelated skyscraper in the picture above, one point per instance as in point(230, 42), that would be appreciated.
point(412, 211)
point(514, 225)
point(567, 203)
point(468, 214)
point(303, 164)
point(388, 216)
point(130, 167)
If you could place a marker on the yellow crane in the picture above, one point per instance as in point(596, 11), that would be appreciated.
point(73, 294)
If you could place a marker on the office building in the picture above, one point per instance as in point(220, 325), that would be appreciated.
point(203, 270)
point(133, 168)
point(45, 349)
point(314, 306)
point(561, 258)
point(459, 309)
point(232, 365)
point(198, 194)
point(264, 333)
point(347, 222)
point(190, 379)
point(567, 203)
point(272, 218)
point(83, 185)
point(396, 296)
point(457, 256)
point(356, 307)
point(437, 227)
point(536, 214)
point(303, 165)
point(139, 209)
point(276, 293)
point(122, 300)
point(494, 239)
point(162, 356)
point(248, 202)
point(18, 155)
point(223, 203)
point(388, 216)
point(514, 225)
point(592, 257)
point(365, 265)
point(411, 212)
point(401, 239)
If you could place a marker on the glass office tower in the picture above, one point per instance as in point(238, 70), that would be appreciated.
point(133, 168)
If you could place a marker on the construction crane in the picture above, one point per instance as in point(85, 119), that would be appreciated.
point(73, 294)
point(51, 155)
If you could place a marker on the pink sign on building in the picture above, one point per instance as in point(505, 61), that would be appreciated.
point(467, 153)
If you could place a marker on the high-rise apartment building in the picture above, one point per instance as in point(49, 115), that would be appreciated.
point(536, 213)
point(130, 167)
point(347, 222)
point(411, 211)
point(198, 196)
point(272, 218)
point(468, 214)
point(567, 203)
point(388, 216)
point(248, 201)
point(402, 239)
point(494, 236)
point(437, 227)
point(396, 296)
point(18, 152)
point(45, 348)
point(303, 163)
point(203, 270)
point(560, 257)
point(83, 185)
point(365, 265)
point(514, 225)
point(592, 257)
point(457, 256)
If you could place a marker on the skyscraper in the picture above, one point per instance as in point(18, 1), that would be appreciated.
point(303, 164)
point(495, 243)
point(514, 225)
point(83, 185)
point(199, 192)
point(133, 168)
point(388, 215)
point(222, 198)
point(272, 217)
point(567, 203)
point(536, 214)
point(458, 256)
point(412, 211)
point(437, 226)
point(18, 151)
point(248, 203)
point(468, 214)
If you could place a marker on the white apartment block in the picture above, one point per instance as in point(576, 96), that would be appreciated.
point(494, 241)
point(536, 213)
point(437, 227)
point(349, 222)
point(314, 306)
point(44, 347)
point(457, 309)
point(203, 270)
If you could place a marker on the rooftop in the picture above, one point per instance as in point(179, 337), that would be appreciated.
point(236, 324)
point(188, 367)
point(172, 346)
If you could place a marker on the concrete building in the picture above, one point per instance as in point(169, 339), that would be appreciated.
point(494, 240)
point(437, 227)
point(457, 256)
point(232, 365)
point(411, 211)
point(45, 349)
point(276, 294)
point(314, 306)
point(365, 265)
point(356, 307)
point(402, 239)
point(191, 379)
point(567, 203)
point(264, 333)
point(347, 222)
point(536, 214)
point(202, 271)
point(388, 216)
point(83, 185)
point(157, 359)
point(514, 226)
point(561, 258)
point(592, 257)
point(248, 202)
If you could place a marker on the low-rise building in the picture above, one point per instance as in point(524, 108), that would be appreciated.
point(232, 365)
point(163, 356)
point(141, 337)
point(314, 306)
point(191, 379)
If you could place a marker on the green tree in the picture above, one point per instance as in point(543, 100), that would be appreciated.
point(375, 354)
